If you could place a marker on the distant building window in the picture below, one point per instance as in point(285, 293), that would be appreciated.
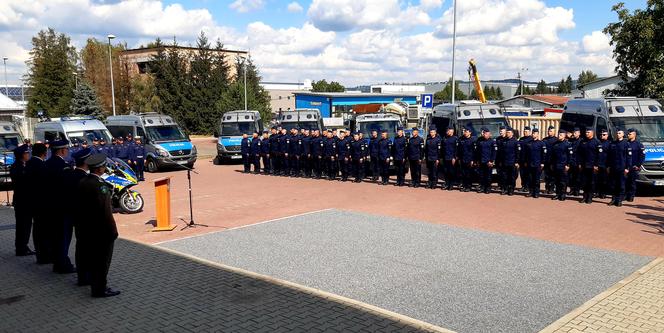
point(288, 97)
point(143, 67)
point(279, 97)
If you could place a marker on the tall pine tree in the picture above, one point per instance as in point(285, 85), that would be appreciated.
point(85, 102)
point(257, 97)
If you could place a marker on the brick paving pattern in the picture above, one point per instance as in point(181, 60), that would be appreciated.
point(170, 293)
point(637, 306)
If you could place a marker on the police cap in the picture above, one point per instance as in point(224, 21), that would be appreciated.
point(604, 131)
point(576, 129)
point(527, 128)
point(631, 130)
point(400, 128)
point(551, 128)
point(432, 128)
point(562, 131)
point(484, 129)
point(59, 144)
point(22, 149)
point(450, 127)
point(509, 129)
point(383, 131)
point(619, 129)
point(415, 129)
point(590, 129)
point(535, 130)
point(96, 160)
point(502, 127)
point(81, 155)
point(374, 130)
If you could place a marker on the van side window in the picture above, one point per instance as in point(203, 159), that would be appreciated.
point(140, 132)
point(601, 125)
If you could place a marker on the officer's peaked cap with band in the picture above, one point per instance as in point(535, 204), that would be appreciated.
point(502, 127)
point(576, 129)
point(432, 128)
point(415, 129)
point(22, 149)
point(82, 154)
point(58, 144)
point(527, 128)
point(96, 160)
point(484, 129)
point(562, 131)
point(509, 129)
point(604, 131)
point(400, 128)
point(535, 130)
point(552, 127)
point(631, 130)
point(383, 131)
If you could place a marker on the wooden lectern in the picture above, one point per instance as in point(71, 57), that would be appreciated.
point(162, 191)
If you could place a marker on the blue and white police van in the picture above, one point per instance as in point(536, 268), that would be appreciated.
point(166, 144)
point(471, 114)
point(10, 138)
point(643, 114)
point(300, 118)
point(71, 128)
point(231, 127)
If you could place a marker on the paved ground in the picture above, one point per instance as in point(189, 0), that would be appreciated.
point(166, 292)
point(461, 279)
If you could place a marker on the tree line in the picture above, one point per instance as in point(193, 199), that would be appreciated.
point(195, 87)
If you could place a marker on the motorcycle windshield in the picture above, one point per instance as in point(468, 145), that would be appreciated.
point(119, 174)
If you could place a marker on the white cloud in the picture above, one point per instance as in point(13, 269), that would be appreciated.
point(295, 7)
point(597, 41)
point(431, 4)
point(244, 6)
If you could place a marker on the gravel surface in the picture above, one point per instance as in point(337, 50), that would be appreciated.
point(461, 279)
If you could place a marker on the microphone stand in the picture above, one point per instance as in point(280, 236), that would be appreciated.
point(190, 223)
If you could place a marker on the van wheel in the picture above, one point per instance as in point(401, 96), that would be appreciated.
point(151, 165)
point(217, 160)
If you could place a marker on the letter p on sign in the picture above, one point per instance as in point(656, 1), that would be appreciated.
point(427, 100)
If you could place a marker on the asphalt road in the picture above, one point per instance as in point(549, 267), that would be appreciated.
point(461, 279)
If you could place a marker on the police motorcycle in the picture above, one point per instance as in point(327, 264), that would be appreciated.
point(122, 178)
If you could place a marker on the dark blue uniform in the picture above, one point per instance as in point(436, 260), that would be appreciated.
point(510, 151)
point(450, 147)
point(283, 150)
point(587, 158)
point(61, 226)
point(549, 174)
point(562, 160)
point(384, 155)
point(343, 152)
point(574, 171)
point(374, 161)
point(466, 155)
point(357, 153)
point(274, 152)
point(415, 157)
point(638, 157)
point(536, 152)
point(82, 247)
point(603, 183)
point(526, 182)
point(432, 148)
point(122, 152)
point(255, 154)
point(399, 156)
point(21, 203)
point(293, 144)
point(245, 150)
point(35, 174)
point(305, 155)
point(330, 157)
point(265, 155)
point(619, 162)
point(138, 155)
point(485, 157)
point(317, 156)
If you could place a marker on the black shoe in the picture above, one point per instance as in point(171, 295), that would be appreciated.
point(630, 199)
point(563, 197)
point(612, 203)
point(536, 195)
point(619, 204)
point(25, 253)
point(416, 185)
point(602, 196)
point(555, 198)
point(466, 189)
point(107, 293)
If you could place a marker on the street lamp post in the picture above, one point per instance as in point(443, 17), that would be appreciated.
point(244, 70)
point(110, 64)
point(454, 51)
point(4, 60)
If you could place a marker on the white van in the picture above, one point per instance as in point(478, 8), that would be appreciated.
point(72, 129)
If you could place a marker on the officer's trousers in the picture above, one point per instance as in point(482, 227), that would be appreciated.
point(358, 170)
point(274, 167)
point(140, 168)
point(603, 186)
point(535, 174)
point(630, 184)
point(526, 181)
point(81, 256)
point(561, 182)
point(385, 171)
point(294, 165)
point(618, 184)
point(574, 179)
point(415, 172)
point(256, 161)
point(99, 261)
point(305, 165)
point(467, 175)
point(343, 167)
point(41, 239)
point(285, 164)
point(331, 168)
point(23, 227)
point(432, 173)
point(549, 177)
point(246, 161)
point(450, 173)
point(508, 174)
point(375, 167)
point(63, 230)
point(485, 176)
point(589, 179)
point(318, 166)
point(400, 166)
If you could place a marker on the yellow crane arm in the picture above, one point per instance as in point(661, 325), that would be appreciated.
point(476, 80)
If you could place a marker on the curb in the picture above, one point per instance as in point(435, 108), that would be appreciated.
point(313, 291)
point(593, 301)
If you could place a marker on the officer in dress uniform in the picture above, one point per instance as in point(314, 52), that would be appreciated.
point(399, 156)
point(603, 184)
point(98, 227)
point(450, 148)
point(587, 155)
point(619, 162)
point(562, 161)
point(574, 173)
point(35, 175)
point(384, 156)
point(536, 154)
point(523, 172)
point(510, 152)
point(75, 146)
point(265, 152)
point(20, 201)
point(549, 178)
point(274, 151)
point(245, 150)
point(638, 157)
point(466, 156)
point(415, 157)
point(103, 148)
point(138, 155)
point(294, 145)
point(343, 152)
point(61, 227)
point(305, 153)
point(432, 148)
point(502, 135)
point(485, 158)
point(330, 155)
point(71, 181)
point(373, 155)
point(357, 152)
point(255, 152)
point(122, 150)
point(317, 143)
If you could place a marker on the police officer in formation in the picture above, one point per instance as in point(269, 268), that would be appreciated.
point(597, 167)
point(245, 150)
point(21, 201)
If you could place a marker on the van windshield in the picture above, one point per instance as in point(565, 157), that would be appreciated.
point(9, 142)
point(165, 133)
point(571, 120)
point(476, 125)
point(389, 125)
point(237, 128)
point(89, 135)
point(648, 128)
point(301, 124)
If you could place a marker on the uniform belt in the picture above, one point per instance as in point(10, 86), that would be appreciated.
point(141, 156)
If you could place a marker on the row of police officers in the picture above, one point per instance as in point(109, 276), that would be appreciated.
point(56, 183)
point(571, 163)
point(130, 150)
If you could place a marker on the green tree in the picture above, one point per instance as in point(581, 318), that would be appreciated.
point(201, 118)
point(568, 84)
point(257, 97)
point(96, 71)
point(526, 90)
point(144, 95)
point(586, 77)
point(499, 94)
point(541, 88)
point(474, 95)
point(445, 95)
point(50, 73)
point(638, 41)
point(169, 68)
point(324, 86)
point(85, 101)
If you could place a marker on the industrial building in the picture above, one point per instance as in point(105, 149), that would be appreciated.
point(598, 88)
point(338, 104)
point(536, 102)
point(282, 94)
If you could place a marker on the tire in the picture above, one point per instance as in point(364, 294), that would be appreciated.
point(128, 204)
point(151, 165)
point(217, 160)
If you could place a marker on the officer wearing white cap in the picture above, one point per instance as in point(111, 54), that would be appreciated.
point(98, 229)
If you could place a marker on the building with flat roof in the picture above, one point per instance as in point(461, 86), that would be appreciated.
point(599, 88)
point(282, 94)
point(536, 102)
point(338, 104)
point(398, 88)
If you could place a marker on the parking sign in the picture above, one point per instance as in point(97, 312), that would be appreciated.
point(427, 100)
